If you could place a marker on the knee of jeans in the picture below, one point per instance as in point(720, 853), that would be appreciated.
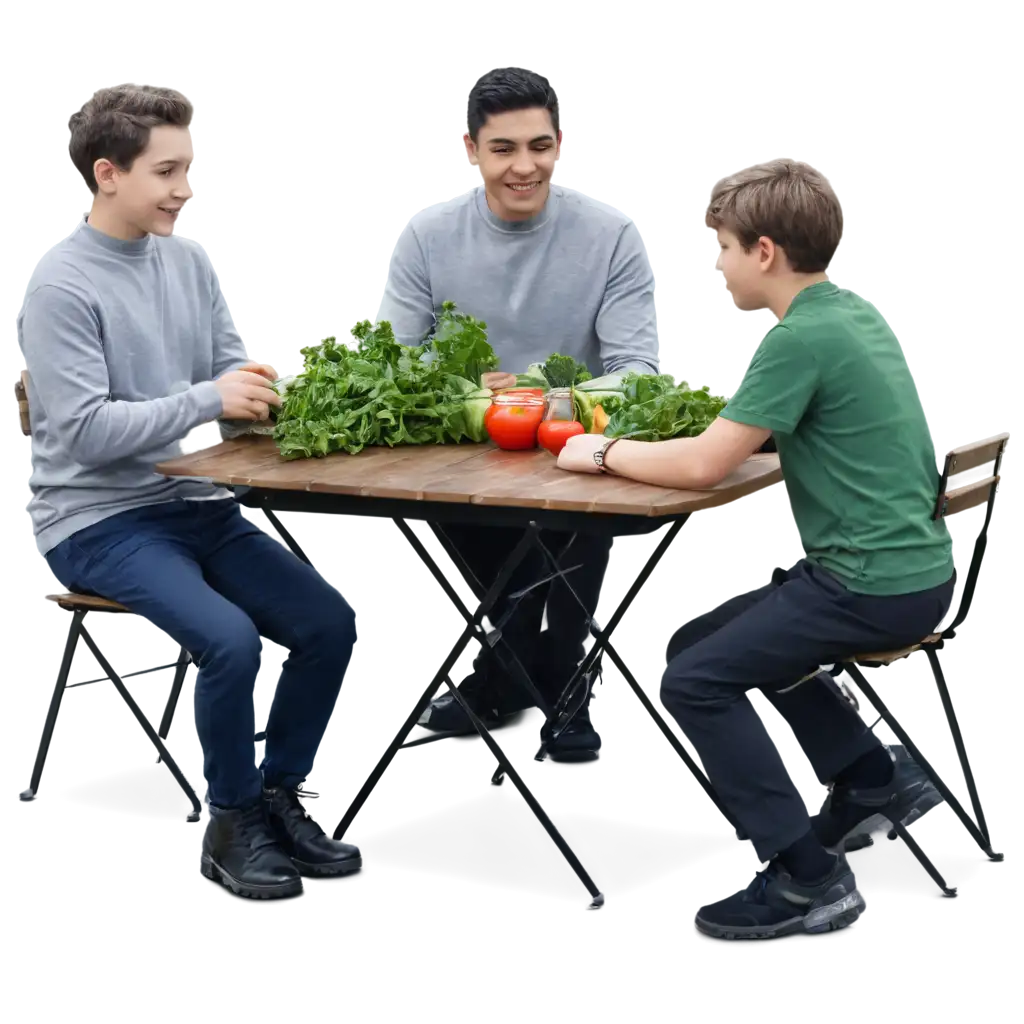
point(234, 641)
point(683, 691)
point(684, 637)
point(332, 625)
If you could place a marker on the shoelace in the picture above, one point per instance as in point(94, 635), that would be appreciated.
point(294, 813)
point(252, 829)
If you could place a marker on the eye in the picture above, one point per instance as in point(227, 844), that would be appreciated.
point(166, 172)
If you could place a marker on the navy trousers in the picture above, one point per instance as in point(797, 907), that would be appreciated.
point(215, 583)
point(768, 640)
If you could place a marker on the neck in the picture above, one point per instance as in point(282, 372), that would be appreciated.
point(514, 218)
point(787, 289)
point(102, 218)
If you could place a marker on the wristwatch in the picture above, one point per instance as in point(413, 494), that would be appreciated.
point(599, 455)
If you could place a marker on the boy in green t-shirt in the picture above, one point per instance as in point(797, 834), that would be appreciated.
point(831, 385)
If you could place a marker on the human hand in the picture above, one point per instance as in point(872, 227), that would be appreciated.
point(263, 369)
point(497, 380)
point(578, 454)
point(246, 395)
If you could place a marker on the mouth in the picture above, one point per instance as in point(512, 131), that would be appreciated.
point(171, 211)
point(524, 187)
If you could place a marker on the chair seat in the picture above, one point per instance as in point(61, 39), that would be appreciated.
point(86, 603)
point(888, 657)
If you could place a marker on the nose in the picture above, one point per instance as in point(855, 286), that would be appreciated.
point(718, 262)
point(183, 190)
point(524, 165)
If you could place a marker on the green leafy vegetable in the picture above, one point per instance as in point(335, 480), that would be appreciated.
point(533, 378)
point(385, 393)
point(461, 344)
point(558, 372)
point(655, 408)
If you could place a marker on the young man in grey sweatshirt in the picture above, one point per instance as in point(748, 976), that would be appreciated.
point(129, 345)
point(549, 270)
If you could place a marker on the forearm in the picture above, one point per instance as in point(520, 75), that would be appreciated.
point(103, 431)
point(678, 463)
point(634, 365)
point(66, 362)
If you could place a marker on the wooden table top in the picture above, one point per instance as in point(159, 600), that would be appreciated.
point(478, 474)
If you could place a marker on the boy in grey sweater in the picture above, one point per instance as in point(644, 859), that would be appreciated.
point(129, 345)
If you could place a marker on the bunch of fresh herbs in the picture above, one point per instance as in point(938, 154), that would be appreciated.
point(655, 408)
point(385, 393)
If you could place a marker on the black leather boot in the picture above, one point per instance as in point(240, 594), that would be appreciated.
point(241, 851)
point(312, 852)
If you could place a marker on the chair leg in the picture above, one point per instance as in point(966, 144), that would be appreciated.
point(872, 685)
point(898, 829)
point(51, 716)
point(163, 733)
point(184, 660)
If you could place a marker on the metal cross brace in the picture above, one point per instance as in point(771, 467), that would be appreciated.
point(476, 637)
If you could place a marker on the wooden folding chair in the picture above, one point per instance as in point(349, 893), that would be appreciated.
point(88, 620)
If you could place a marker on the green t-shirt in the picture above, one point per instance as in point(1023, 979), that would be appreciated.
point(831, 383)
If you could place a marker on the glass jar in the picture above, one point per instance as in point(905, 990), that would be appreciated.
point(513, 419)
point(560, 404)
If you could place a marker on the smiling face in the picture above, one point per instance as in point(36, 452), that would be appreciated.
point(147, 198)
point(516, 153)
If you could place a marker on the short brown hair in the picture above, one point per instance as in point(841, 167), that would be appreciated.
point(786, 201)
point(115, 125)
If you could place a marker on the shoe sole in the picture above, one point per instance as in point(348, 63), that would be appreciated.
point(830, 918)
point(573, 756)
point(212, 870)
point(336, 870)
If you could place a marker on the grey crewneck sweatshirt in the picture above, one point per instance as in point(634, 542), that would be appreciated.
point(122, 342)
point(574, 279)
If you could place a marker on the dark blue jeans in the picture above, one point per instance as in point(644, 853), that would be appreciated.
point(215, 583)
point(768, 640)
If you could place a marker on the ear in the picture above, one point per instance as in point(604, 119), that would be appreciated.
point(106, 176)
point(768, 254)
point(471, 150)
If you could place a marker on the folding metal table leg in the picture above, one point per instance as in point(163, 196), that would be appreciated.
point(444, 675)
point(597, 898)
point(469, 645)
point(641, 591)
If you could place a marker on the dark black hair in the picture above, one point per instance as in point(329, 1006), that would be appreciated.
point(115, 125)
point(506, 89)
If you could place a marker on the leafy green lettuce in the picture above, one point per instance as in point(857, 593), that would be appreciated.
point(655, 408)
point(385, 393)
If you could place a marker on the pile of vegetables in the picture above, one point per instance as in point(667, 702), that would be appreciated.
point(645, 407)
point(384, 393)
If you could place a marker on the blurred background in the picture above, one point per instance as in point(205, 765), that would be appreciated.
point(321, 128)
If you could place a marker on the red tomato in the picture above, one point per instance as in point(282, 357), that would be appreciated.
point(512, 421)
point(552, 434)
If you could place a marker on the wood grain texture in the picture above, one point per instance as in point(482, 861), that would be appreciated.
point(478, 474)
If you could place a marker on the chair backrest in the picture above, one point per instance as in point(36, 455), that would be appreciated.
point(969, 491)
point(969, 477)
point(21, 393)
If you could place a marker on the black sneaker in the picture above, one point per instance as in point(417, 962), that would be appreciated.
point(578, 741)
point(241, 852)
point(303, 839)
point(849, 815)
point(774, 905)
